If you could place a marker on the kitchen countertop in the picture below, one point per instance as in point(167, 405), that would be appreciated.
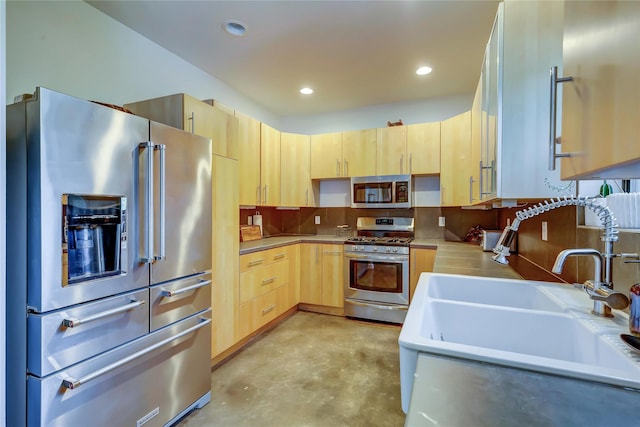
point(451, 257)
point(278, 241)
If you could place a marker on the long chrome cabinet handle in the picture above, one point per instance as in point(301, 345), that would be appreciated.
point(337, 167)
point(265, 195)
point(346, 168)
point(279, 256)
point(162, 254)
point(553, 140)
point(471, 181)
point(192, 119)
point(74, 322)
point(255, 262)
point(201, 284)
point(147, 237)
point(72, 383)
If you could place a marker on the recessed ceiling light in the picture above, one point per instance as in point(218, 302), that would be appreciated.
point(235, 28)
point(306, 91)
point(423, 71)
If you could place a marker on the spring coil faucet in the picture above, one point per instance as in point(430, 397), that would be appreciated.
point(600, 289)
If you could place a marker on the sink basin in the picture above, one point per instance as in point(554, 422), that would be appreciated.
point(492, 292)
point(537, 326)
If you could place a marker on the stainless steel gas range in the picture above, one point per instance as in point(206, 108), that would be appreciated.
point(377, 269)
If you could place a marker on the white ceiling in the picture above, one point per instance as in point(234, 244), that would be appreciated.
point(352, 53)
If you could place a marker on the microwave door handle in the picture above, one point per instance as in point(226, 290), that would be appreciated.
point(146, 240)
point(162, 202)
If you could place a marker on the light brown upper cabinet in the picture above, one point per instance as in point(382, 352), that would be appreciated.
point(600, 106)
point(326, 156)
point(391, 151)
point(295, 177)
point(249, 157)
point(423, 148)
point(183, 111)
point(269, 165)
point(359, 152)
point(455, 161)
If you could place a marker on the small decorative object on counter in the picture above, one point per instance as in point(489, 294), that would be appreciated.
point(634, 310)
point(344, 231)
point(474, 234)
point(398, 123)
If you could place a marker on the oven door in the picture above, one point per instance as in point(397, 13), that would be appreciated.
point(380, 278)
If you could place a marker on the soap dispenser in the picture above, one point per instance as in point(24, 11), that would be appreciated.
point(634, 310)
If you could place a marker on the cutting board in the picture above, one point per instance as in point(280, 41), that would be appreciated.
point(249, 232)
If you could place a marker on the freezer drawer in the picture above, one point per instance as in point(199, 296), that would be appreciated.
point(64, 337)
point(180, 298)
point(145, 382)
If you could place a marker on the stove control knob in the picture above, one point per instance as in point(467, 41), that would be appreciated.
point(374, 249)
point(395, 250)
point(389, 250)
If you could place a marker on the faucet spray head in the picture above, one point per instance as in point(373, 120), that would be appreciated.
point(501, 249)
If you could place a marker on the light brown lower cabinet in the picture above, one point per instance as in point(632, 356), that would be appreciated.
point(322, 274)
point(268, 287)
point(421, 261)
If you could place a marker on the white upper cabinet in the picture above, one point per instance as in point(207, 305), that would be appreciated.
point(525, 43)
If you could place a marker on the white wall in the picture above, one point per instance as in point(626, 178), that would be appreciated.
point(71, 47)
point(377, 116)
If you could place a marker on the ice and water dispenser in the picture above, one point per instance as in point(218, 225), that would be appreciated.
point(94, 238)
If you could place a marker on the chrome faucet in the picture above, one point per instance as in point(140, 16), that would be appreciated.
point(602, 293)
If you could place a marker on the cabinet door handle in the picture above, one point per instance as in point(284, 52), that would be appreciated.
point(265, 195)
point(279, 256)
point(268, 309)
point(255, 262)
point(337, 167)
point(192, 119)
point(269, 280)
point(332, 252)
point(553, 140)
point(401, 163)
point(410, 162)
point(346, 168)
point(471, 181)
point(258, 194)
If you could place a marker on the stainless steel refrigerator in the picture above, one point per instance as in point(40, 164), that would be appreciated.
point(108, 266)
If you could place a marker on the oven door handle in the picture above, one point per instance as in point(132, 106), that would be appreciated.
point(378, 306)
point(378, 257)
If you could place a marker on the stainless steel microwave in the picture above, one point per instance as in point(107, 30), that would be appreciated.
point(387, 191)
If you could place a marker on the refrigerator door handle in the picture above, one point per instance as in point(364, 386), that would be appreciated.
point(147, 219)
point(201, 284)
point(162, 254)
point(73, 322)
point(73, 383)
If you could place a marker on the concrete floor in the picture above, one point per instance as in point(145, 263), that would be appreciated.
point(311, 370)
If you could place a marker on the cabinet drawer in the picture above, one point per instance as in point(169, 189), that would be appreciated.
point(262, 280)
point(253, 261)
point(260, 259)
point(64, 337)
point(263, 309)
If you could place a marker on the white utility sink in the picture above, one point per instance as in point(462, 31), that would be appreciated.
point(538, 326)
